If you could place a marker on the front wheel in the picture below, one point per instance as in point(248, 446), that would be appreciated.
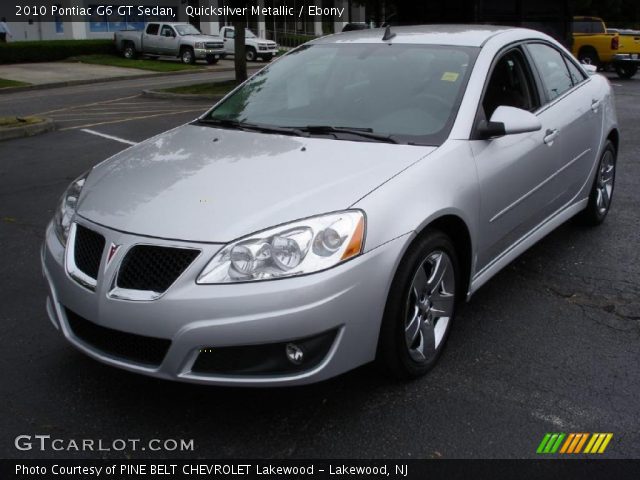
point(602, 189)
point(267, 57)
point(250, 54)
point(187, 56)
point(420, 308)
point(626, 71)
point(212, 60)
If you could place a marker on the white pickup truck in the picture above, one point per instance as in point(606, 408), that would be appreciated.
point(254, 47)
point(180, 40)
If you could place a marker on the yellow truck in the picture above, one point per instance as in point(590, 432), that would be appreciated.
point(592, 44)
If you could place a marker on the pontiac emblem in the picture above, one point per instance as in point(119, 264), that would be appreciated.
point(113, 249)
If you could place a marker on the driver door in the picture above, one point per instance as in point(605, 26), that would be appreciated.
point(168, 41)
point(229, 40)
point(516, 172)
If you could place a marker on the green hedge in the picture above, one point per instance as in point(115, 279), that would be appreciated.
point(52, 50)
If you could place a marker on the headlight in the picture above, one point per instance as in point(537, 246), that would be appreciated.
point(297, 248)
point(199, 44)
point(67, 208)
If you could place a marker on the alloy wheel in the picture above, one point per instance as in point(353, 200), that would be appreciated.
point(430, 305)
point(605, 180)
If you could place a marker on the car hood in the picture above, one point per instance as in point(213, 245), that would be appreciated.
point(206, 38)
point(205, 184)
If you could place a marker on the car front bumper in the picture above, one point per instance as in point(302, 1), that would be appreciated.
point(203, 53)
point(348, 300)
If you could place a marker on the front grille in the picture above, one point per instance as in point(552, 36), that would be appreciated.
point(127, 346)
point(214, 45)
point(89, 246)
point(153, 268)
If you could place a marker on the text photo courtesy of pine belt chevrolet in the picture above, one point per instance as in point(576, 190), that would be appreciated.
point(180, 40)
point(332, 210)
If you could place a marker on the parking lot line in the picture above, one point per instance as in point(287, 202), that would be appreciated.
point(110, 137)
point(129, 119)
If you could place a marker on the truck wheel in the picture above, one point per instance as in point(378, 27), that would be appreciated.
point(267, 57)
point(187, 56)
point(250, 54)
point(589, 56)
point(626, 71)
point(129, 51)
point(212, 60)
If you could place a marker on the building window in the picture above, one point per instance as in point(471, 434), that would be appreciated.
point(115, 22)
point(58, 22)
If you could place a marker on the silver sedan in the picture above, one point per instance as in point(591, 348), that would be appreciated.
point(333, 209)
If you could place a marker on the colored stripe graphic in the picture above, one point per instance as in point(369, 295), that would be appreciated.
point(573, 443)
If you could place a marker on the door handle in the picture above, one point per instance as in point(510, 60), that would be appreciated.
point(595, 104)
point(550, 135)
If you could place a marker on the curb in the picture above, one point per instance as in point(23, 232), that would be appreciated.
point(179, 96)
point(73, 83)
point(47, 125)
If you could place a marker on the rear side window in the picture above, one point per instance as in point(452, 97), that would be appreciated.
point(152, 28)
point(588, 26)
point(552, 68)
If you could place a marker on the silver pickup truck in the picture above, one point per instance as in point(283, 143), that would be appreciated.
point(180, 40)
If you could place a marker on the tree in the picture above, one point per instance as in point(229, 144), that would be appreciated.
point(239, 57)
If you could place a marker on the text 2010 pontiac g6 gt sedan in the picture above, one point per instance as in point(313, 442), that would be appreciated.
point(333, 209)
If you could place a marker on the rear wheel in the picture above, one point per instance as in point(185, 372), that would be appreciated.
point(129, 51)
point(626, 71)
point(602, 189)
point(250, 54)
point(187, 56)
point(420, 308)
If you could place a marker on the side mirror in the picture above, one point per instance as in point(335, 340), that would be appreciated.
point(509, 121)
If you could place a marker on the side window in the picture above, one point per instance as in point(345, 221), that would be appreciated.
point(510, 85)
point(577, 76)
point(553, 70)
point(167, 31)
point(229, 33)
point(152, 29)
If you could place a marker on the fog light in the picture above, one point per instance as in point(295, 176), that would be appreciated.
point(294, 353)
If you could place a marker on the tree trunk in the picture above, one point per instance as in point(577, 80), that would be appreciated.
point(239, 58)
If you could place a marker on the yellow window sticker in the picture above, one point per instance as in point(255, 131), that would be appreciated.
point(450, 76)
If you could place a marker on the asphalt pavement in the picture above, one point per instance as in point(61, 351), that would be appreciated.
point(551, 344)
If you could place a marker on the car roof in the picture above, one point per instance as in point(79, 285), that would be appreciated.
point(457, 35)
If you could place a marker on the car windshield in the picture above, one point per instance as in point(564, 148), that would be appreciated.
point(408, 93)
point(248, 33)
point(187, 30)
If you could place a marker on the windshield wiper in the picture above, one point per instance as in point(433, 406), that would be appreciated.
point(357, 131)
point(235, 124)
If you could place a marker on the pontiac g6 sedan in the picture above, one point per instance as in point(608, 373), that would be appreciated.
point(333, 209)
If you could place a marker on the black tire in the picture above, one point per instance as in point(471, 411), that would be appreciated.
point(212, 60)
point(589, 55)
point(626, 71)
point(187, 56)
point(596, 212)
point(395, 356)
point(267, 57)
point(129, 51)
point(250, 54)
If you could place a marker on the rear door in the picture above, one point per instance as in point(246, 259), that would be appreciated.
point(516, 172)
point(576, 103)
point(150, 38)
